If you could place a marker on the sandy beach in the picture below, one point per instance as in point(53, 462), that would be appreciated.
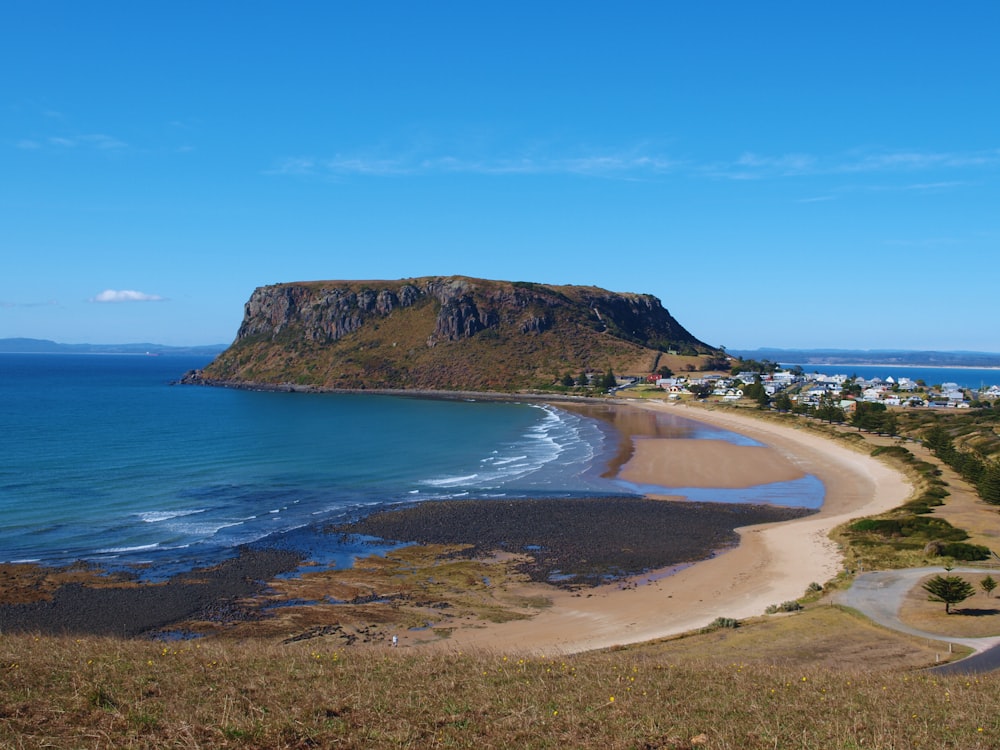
point(773, 562)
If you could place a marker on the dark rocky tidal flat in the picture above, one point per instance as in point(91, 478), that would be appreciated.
point(569, 542)
point(576, 541)
point(117, 607)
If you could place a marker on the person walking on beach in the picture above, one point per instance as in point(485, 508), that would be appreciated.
point(395, 641)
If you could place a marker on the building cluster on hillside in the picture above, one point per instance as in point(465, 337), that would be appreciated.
point(845, 391)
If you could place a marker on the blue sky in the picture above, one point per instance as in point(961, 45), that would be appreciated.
point(779, 174)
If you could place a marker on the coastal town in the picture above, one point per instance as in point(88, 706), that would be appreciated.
point(802, 391)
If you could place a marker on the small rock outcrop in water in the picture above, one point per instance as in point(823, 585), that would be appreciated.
point(444, 333)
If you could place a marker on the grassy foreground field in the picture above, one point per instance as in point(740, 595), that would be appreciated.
point(789, 682)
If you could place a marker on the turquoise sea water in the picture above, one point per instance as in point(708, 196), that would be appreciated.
point(103, 460)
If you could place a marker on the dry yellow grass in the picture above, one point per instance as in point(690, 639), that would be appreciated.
point(734, 689)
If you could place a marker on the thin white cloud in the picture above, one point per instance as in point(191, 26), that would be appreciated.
point(642, 162)
point(917, 160)
point(597, 165)
point(296, 165)
point(375, 167)
point(98, 141)
point(126, 295)
point(93, 141)
point(754, 166)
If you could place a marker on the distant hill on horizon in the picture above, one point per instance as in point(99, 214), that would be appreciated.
point(45, 346)
point(914, 358)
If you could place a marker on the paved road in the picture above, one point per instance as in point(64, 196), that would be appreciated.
point(879, 596)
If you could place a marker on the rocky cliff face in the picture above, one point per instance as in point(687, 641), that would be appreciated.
point(333, 310)
point(323, 315)
point(442, 332)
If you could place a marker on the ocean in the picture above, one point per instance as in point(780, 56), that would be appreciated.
point(104, 460)
point(965, 377)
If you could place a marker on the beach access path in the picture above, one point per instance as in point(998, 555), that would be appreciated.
point(879, 595)
point(772, 564)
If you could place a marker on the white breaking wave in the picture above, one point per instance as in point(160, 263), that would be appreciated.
point(560, 441)
point(125, 550)
point(156, 516)
point(450, 481)
point(502, 461)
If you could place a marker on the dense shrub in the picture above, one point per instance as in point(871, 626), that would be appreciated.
point(918, 527)
point(724, 622)
point(964, 551)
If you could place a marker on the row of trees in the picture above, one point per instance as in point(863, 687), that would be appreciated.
point(868, 416)
point(981, 472)
point(874, 417)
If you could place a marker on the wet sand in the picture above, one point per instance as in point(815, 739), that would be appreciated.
point(707, 463)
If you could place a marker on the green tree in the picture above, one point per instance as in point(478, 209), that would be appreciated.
point(949, 590)
point(568, 380)
point(783, 402)
point(890, 424)
point(608, 381)
point(582, 379)
point(851, 387)
point(754, 390)
point(988, 584)
point(700, 390)
point(868, 415)
point(828, 411)
point(989, 484)
point(938, 439)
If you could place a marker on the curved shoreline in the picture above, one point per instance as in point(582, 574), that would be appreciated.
point(773, 562)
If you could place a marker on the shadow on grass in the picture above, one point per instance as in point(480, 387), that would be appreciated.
point(976, 612)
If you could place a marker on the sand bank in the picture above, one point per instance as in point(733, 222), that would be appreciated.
point(772, 564)
point(706, 463)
